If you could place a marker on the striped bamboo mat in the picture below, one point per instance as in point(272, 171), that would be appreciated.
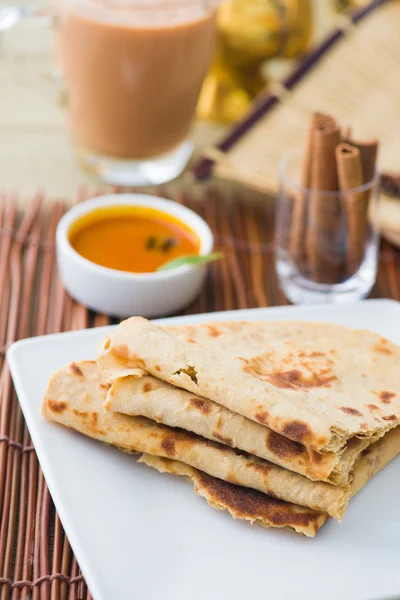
point(36, 560)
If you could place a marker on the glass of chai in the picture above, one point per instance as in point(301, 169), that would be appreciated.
point(133, 71)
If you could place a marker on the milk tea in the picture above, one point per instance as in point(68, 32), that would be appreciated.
point(133, 71)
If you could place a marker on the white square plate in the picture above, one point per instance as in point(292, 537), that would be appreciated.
point(140, 535)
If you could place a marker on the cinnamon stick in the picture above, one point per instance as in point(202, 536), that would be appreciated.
point(354, 203)
point(323, 235)
point(368, 155)
point(299, 215)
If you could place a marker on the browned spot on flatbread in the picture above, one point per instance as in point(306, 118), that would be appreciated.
point(372, 407)
point(79, 413)
point(282, 446)
point(351, 411)
point(231, 477)
point(147, 387)
point(105, 386)
point(296, 379)
point(390, 418)
point(219, 422)
point(157, 368)
point(222, 438)
point(94, 418)
point(262, 417)
point(316, 457)
point(381, 349)
point(130, 359)
point(213, 331)
point(296, 430)
point(292, 378)
point(201, 404)
point(73, 368)
point(190, 340)
point(56, 405)
point(121, 351)
point(259, 467)
point(307, 366)
point(168, 444)
point(245, 503)
point(364, 426)
point(386, 397)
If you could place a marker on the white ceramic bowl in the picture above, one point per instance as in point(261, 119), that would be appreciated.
point(124, 294)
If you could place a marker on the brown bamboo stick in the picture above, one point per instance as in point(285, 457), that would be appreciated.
point(231, 226)
point(57, 558)
point(46, 274)
point(57, 290)
point(8, 212)
point(53, 324)
point(74, 574)
point(36, 571)
point(255, 240)
point(30, 524)
point(22, 521)
point(223, 292)
point(228, 291)
point(44, 542)
point(14, 460)
point(11, 418)
point(30, 262)
point(393, 272)
point(43, 324)
point(200, 303)
point(65, 562)
point(13, 319)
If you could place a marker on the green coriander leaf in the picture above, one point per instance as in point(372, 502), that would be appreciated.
point(193, 260)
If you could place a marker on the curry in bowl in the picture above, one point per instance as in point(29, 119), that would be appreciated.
point(136, 239)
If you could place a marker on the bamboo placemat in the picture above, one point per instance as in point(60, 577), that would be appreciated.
point(36, 560)
point(351, 74)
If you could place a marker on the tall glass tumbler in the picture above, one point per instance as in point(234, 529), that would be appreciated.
point(132, 71)
point(326, 242)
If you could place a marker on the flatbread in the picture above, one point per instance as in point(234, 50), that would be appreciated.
point(316, 383)
point(256, 507)
point(75, 398)
point(164, 403)
point(241, 502)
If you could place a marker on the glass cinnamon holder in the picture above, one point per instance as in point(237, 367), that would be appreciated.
point(326, 244)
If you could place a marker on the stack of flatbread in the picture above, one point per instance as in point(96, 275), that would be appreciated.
point(279, 423)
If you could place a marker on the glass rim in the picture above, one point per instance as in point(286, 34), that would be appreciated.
point(300, 188)
point(152, 5)
point(141, 13)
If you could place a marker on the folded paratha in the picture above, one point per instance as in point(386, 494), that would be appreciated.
point(316, 383)
point(241, 502)
point(75, 398)
point(164, 403)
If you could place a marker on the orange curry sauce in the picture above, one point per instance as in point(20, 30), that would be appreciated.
point(137, 239)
